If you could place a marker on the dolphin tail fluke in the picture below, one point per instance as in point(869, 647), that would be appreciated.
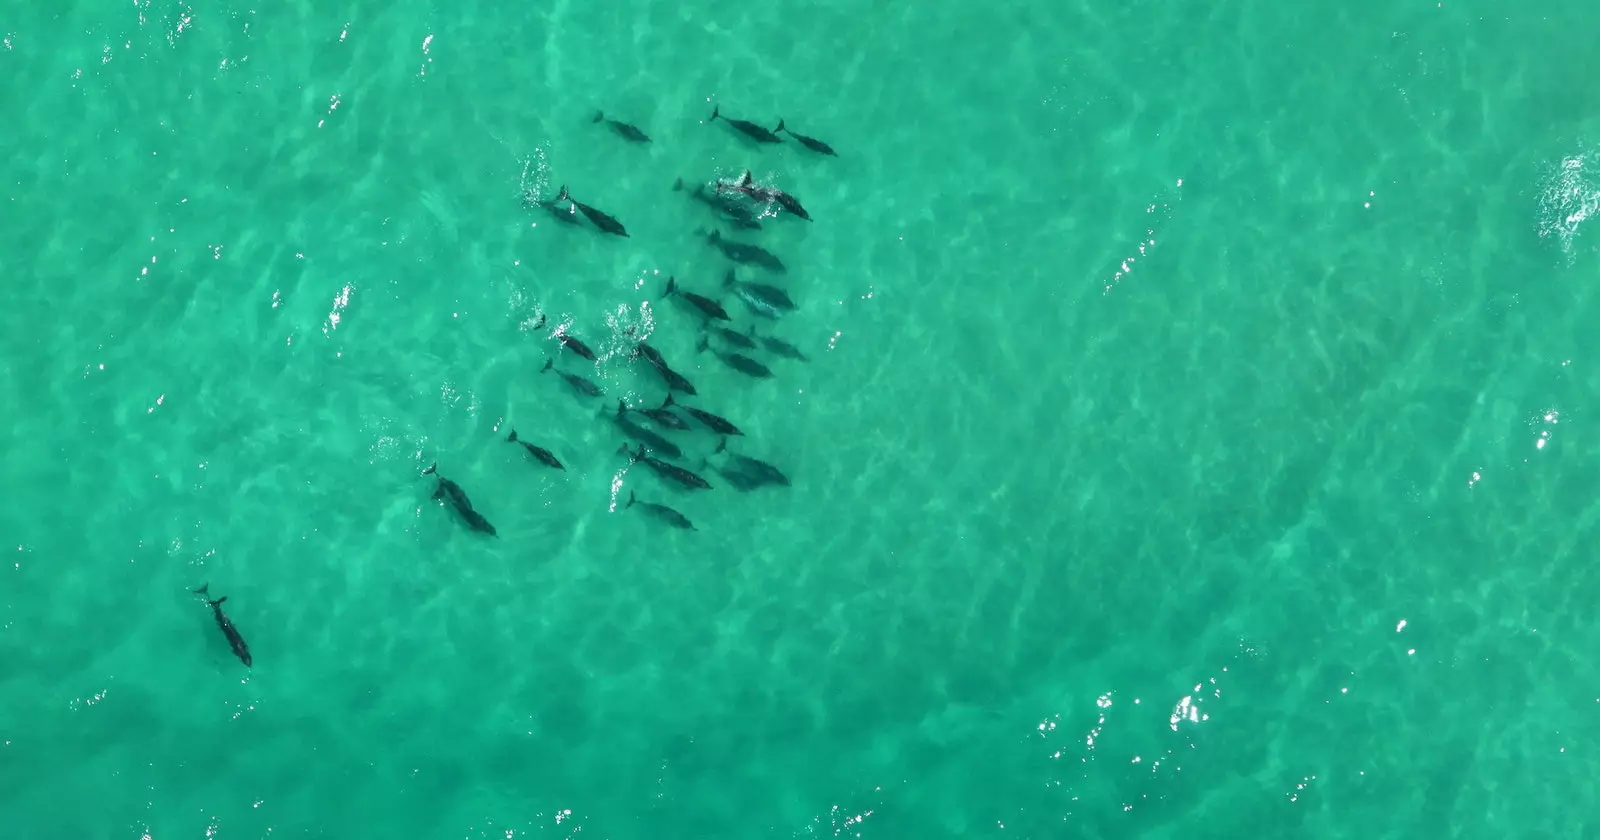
point(722, 445)
point(599, 116)
point(672, 286)
point(217, 603)
point(512, 438)
point(433, 468)
point(548, 364)
point(715, 110)
point(631, 500)
point(204, 588)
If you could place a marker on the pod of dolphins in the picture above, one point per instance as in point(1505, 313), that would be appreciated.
point(741, 205)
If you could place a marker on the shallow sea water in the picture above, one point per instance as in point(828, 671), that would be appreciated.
point(1195, 440)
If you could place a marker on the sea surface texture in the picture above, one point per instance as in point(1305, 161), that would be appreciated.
point(1197, 433)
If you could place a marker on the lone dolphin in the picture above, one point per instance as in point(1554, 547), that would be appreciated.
point(661, 512)
point(747, 254)
point(811, 143)
point(749, 129)
point(575, 345)
point(566, 215)
point(451, 491)
point(731, 210)
point(633, 133)
point(688, 479)
point(536, 451)
point(578, 383)
point(748, 186)
point(764, 300)
point(602, 220)
point(660, 415)
point(755, 470)
point(707, 306)
point(715, 422)
point(738, 361)
point(235, 641)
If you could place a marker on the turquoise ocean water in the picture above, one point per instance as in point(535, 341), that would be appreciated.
point(1200, 437)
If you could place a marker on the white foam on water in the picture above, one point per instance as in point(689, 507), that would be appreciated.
point(1569, 195)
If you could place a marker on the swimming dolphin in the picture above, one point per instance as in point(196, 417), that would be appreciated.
point(661, 512)
point(643, 435)
point(563, 214)
point(684, 477)
point(452, 492)
point(674, 379)
point(235, 641)
point(746, 185)
point(764, 300)
point(811, 143)
point(578, 383)
point(779, 347)
point(727, 208)
point(711, 308)
point(575, 345)
point(756, 470)
point(536, 451)
point(637, 136)
point(750, 129)
point(738, 361)
point(602, 220)
point(743, 341)
point(715, 422)
point(747, 254)
point(660, 415)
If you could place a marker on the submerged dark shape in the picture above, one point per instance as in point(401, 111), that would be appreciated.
point(738, 361)
point(665, 469)
point(578, 383)
point(714, 422)
point(452, 492)
point(811, 143)
point(706, 305)
point(602, 220)
point(539, 452)
point(632, 132)
point(742, 252)
point(235, 640)
point(749, 129)
point(661, 512)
